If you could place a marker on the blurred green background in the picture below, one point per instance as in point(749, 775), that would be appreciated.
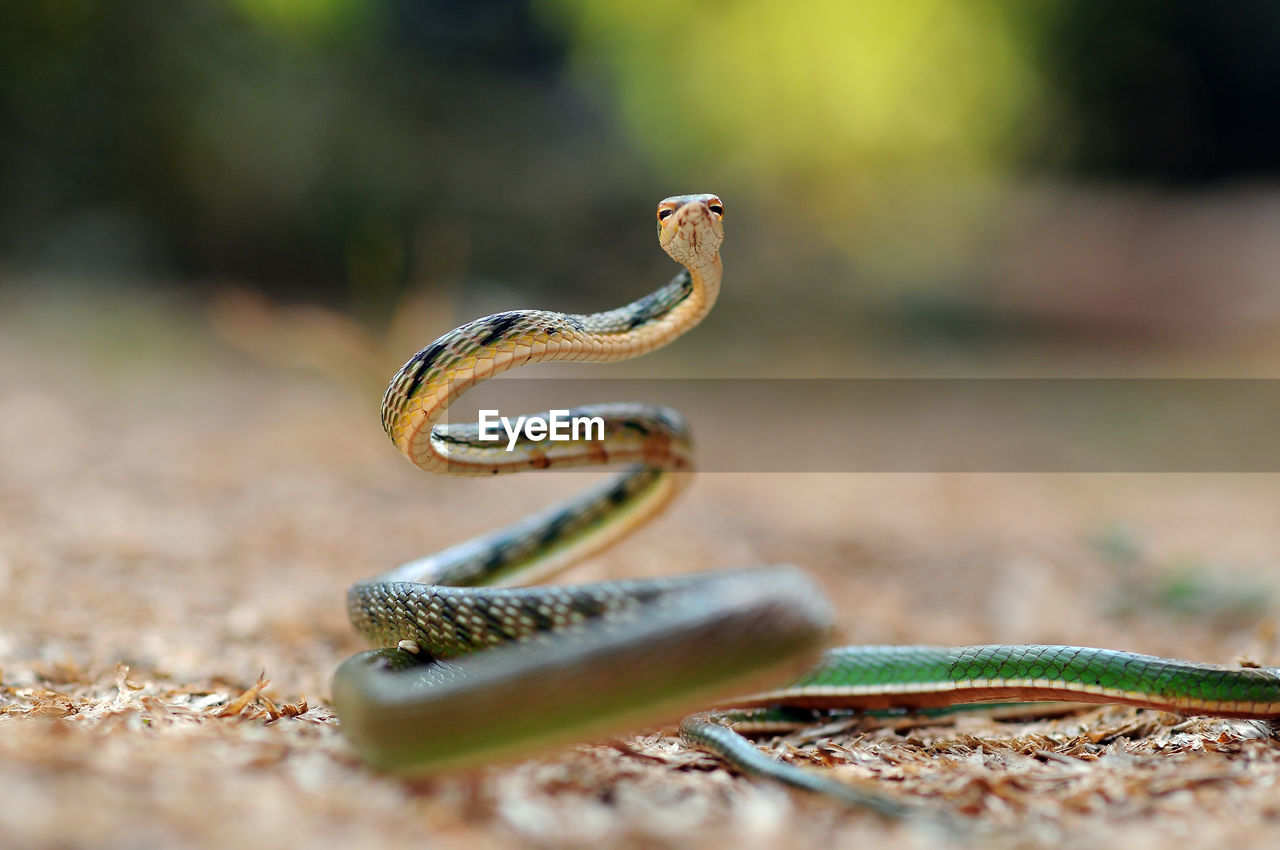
point(953, 177)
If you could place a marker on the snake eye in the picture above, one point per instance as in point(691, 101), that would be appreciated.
point(663, 215)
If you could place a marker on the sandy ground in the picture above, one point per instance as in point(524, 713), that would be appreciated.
point(178, 519)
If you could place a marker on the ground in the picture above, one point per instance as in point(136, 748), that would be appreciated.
point(179, 519)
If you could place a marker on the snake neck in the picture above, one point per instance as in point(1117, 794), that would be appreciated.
point(706, 289)
point(649, 323)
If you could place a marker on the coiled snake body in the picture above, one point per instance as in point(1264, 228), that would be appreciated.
point(470, 671)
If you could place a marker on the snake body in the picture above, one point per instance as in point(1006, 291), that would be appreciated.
point(469, 671)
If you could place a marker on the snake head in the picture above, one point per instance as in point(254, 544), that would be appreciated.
point(691, 228)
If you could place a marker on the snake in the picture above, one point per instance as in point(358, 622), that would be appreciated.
point(478, 660)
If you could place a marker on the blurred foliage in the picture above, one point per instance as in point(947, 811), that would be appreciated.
point(810, 91)
point(1171, 91)
point(311, 20)
point(349, 150)
point(303, 147)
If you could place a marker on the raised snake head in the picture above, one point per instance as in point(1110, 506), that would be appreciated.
point(691, 228)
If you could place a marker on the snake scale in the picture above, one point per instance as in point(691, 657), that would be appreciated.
point(471, 670)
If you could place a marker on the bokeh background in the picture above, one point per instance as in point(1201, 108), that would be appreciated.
point(970, 183)
point(225, 223)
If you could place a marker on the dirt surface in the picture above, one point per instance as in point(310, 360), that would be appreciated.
point(178, 522)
